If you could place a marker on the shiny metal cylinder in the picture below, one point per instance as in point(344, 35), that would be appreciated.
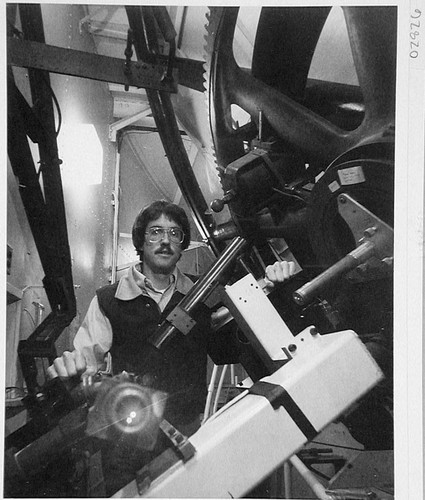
point(202, 289)
point(307, 292)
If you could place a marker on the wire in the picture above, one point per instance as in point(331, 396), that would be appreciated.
point(30, 315)
point(19, 34)
point(290, 194)
point(58, 109)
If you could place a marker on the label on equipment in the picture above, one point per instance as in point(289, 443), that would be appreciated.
point(351, 175)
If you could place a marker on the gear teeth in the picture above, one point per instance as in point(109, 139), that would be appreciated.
point(213, 17)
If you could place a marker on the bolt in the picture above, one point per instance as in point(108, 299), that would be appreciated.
point(370, 231)
point(292, 347)
point(342, 199)
point(313, 330)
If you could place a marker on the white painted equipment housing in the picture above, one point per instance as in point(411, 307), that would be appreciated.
point(248, 439)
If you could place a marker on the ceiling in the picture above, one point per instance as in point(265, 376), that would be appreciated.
point(108, 25)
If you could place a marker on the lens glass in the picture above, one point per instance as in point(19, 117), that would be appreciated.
point(157, 233)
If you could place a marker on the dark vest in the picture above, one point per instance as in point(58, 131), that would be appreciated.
point(178, 368)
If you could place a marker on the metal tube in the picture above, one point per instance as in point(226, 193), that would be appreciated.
point(204, 286)
point(219, 388)
point(210, 394)
point(287, 479)
point(315, 485)
point(260, 125)
point(307, 292)
point(201, 290)
point(116, 204)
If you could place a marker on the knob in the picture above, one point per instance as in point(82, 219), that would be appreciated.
point(217, 205)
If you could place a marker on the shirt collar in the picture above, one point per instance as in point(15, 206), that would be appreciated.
point(133, 283)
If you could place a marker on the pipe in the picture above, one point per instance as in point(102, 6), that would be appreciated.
point(287, 479)
point(116, 204)
point(219, 387)
point(232, 374)
point(210, 393)
point(200, 291)
point(307, 292)
point(316, 486)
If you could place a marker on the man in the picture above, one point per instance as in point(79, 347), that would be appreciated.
point(122, 316)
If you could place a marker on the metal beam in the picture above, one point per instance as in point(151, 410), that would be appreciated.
point(37, 55)
point(28, 54)
point(124, 122)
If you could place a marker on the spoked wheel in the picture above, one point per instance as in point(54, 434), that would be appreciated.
point(342, 135)
point(316, 122)
point(278, 82)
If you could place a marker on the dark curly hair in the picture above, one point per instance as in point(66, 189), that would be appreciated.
point(153, 212)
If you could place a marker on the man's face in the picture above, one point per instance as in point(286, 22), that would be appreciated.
point(161, 256)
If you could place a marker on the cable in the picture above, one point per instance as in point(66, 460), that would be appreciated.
point(58, 109)
point(30, 315)
point(290, 194)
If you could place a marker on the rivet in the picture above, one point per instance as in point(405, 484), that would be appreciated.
point(292, 347)
point(313, 330)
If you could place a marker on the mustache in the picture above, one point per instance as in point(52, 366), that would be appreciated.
point(165, 248)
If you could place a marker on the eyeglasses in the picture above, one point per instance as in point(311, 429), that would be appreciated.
point(156, 234)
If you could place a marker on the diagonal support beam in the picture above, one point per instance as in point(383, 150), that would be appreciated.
point(29, 54)
point(71, 62)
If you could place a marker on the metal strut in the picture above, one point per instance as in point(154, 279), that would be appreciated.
point(179, 319)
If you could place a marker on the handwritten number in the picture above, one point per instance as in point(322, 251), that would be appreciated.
point(415, 35)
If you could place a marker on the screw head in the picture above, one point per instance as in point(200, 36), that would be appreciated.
point(292, 347)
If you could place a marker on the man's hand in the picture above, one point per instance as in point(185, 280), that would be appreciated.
point(86, 362)
point(278, 272)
